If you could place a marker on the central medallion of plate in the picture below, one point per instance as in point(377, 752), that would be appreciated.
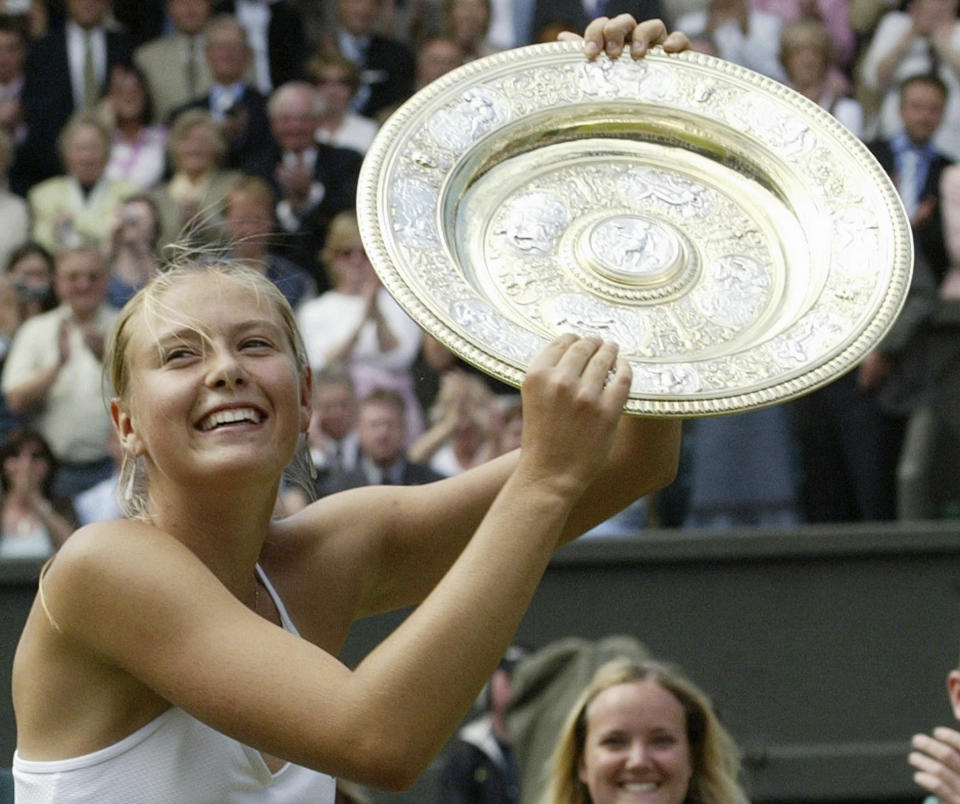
point(631, 249)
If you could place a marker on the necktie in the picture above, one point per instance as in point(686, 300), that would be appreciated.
point(91, 87)
point(909, 162)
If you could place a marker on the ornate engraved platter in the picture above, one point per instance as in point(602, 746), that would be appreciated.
point(740, 244)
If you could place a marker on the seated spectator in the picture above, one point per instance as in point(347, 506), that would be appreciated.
point(14, 211)
point(34, 522)
point(77, 208)
point(66, 72)
point(806, 54)
point(337, 80)
point(480, 765)
point(465, 426)
point(359, 324)
point(386, 65)
point(191, 202)
point(833, 14)
point(13, 54)
point(512, 428)
point(923, 39)
point(467, 23)
point(99, 502)
point(174, 63)
point(31, 269)
point(133, 248)
point(251, 229)
point(314, 181)
point(639, 720)
point(734, 31)
point(54, 371)
point(139, 150)
point(382, 438)
point(914, 164)
point(276, 32)
point(233, 101)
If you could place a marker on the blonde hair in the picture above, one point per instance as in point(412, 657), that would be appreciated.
point(714, 755)
point(148, 306)
point(343, 230)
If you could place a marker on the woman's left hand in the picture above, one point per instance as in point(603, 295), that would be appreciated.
point(605, 35)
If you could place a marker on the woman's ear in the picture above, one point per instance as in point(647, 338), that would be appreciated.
point(128, 437)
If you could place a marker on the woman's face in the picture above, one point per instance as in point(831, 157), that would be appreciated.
point(469, 19)
point(232, 400)
point(33, 273)
point(196, 153)
point(351, 266)
point(30, 462)
point(127, 95)
point(806, 65)
point(85, 154)
point(333, 84)
point(636, 749)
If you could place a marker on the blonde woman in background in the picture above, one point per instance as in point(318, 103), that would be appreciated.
point(642, 727)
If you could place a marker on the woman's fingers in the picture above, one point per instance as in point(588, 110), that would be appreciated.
point(610, 36)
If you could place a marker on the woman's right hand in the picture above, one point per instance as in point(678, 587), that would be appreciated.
point(573, 396)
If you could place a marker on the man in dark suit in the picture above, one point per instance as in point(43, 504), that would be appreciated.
point(277, 33)
point(234, 103)
point(915, 165)
point(314, 180)
point(386, 65)
point(65, 71)
point(381, 434)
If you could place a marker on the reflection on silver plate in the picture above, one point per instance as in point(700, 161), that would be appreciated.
point(739, 244)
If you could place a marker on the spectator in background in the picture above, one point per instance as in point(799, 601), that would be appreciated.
point(734, 31)
point(331, 435)
point(314, 181)
point(133, 248)
point(915, 165)
point(643, 720)
point(77, 207)
point(14, 211)
point(13, 54)
point(66, 71)
point(382, 438)
point(191, 202)
point(464, 426)
point(337, 81)
point(437, 56)
point(139, 150)
point(386, 65)
point(467, 23)
point(174, 64)
point(251, 228)
point(358, 322)
point(276, 32)
point(31, 269)
point(806, 53)
point(925, 38)
point(480, 766)
point(833, 14)
point(233, 101)
point(25, 290)
point(99, 502)
point(54, 371)
point(34, 521)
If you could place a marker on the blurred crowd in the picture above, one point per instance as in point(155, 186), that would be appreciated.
point(132, 130)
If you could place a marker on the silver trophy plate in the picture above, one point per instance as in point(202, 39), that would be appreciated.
point(739, 244)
